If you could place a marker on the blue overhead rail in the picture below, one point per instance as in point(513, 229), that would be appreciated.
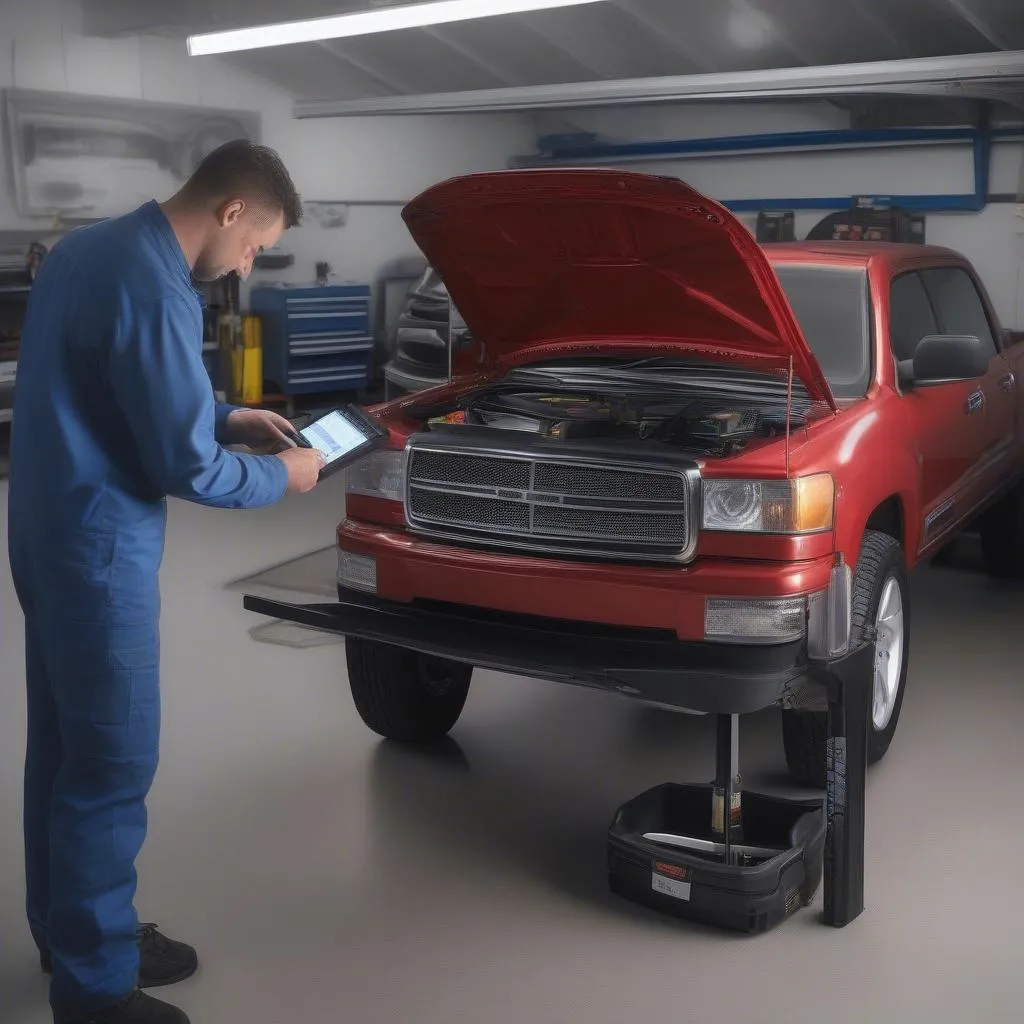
point(566, 151)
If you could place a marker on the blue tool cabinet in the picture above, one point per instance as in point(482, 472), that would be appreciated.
point(317, 338)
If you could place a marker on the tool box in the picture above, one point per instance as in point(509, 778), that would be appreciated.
point(316, 339)
point(663, 853)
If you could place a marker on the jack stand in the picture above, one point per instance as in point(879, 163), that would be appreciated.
point(677, 850)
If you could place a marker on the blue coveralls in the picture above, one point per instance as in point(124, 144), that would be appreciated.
point(113, 412)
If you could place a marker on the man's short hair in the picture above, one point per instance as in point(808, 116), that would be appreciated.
point(245, 170)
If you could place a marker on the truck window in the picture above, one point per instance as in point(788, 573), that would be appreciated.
point(958, 304)
point(832, 307)
point(911, 316)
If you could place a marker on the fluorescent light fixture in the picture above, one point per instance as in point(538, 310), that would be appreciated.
point(363, 23)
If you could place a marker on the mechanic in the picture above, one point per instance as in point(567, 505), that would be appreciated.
point(113, 412)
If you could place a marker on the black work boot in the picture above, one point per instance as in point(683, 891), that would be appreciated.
point(138, 1008)
point(162, 961)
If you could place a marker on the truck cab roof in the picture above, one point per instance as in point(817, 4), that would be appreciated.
point(882, 255)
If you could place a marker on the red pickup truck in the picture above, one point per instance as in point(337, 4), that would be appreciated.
point(670, 463)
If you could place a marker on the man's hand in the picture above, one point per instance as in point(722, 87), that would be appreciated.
point(256, 427)
point(304, 465)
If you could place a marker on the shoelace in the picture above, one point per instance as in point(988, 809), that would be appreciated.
point(148, 935)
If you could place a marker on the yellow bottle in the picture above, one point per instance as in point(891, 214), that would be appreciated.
point(252, 360)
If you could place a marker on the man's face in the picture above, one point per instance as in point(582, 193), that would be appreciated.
point(241, 233)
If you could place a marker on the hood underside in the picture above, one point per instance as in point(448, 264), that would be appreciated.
point(590, 262)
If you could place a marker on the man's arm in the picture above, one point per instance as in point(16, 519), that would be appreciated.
point(162, 387)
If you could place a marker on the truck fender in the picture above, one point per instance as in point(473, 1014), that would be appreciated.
point(879, 488)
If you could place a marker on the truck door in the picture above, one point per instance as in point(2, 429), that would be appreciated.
point(961, 309)
point(948, 420)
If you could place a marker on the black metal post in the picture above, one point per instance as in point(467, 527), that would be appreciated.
point(727, 756)
point(848, 684)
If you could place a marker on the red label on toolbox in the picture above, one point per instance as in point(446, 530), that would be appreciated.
point(683, 874)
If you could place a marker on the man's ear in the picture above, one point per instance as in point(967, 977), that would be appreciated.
point(229, 212)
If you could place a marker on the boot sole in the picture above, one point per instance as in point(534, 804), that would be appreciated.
point(175, 979)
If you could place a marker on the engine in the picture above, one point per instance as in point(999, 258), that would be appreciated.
point(698, 410)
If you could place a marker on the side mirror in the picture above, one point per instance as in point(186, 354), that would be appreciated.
point(946, 358)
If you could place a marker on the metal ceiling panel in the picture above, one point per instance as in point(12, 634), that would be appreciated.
point(427, 66)
point(310, 71)
point(619, 39)
point(609, 42)
point(517, 52)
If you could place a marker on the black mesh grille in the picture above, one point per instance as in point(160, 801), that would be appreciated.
point(637, 528)
point(465, 510)
point(594, 481)
point(552, 504)
point(473, 470)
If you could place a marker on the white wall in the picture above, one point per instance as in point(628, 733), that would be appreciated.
point(42, 47)
point(993, 239)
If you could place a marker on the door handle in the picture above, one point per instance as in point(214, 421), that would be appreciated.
point(975, 403)
point(1007, 383)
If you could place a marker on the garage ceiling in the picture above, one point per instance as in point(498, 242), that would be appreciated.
point(620, 39)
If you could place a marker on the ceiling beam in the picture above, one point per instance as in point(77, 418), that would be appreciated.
point(943, 76)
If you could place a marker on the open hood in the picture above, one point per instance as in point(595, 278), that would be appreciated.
point(542, 264)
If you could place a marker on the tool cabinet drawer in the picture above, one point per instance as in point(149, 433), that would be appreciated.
point(345, 316)
point(314, 343)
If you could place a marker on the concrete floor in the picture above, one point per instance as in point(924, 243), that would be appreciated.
point(326, 877)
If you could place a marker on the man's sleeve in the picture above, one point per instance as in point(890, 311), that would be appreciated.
point(158, 377)
point(221, 412)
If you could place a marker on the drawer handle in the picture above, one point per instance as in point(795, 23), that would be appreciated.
point(336, 372)
point(334, 346)
point(326, 314)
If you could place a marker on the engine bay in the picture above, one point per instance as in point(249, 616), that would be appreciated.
point(699, 409)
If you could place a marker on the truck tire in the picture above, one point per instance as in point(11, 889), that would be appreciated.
point(881, 590)
point(1002, 537)
point(405, 696)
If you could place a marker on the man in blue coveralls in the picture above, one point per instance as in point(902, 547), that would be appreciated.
point(113, 412)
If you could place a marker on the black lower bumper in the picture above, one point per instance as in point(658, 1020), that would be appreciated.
point(651, 665)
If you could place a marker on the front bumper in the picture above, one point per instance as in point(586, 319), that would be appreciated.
point(644, 664)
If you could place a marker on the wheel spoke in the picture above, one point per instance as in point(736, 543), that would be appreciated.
point(888, 652)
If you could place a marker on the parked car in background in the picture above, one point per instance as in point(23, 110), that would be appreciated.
point(420, 358)
point(671, 463)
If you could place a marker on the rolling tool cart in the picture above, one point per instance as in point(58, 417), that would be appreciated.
point(316, 339)
point(746, 861)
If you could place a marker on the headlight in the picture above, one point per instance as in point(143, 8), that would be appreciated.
point(379, 475)
point(803, 505)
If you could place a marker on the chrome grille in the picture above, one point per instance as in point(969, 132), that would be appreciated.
point(552, 503)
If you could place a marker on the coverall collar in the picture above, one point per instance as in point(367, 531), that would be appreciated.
point(155, 216)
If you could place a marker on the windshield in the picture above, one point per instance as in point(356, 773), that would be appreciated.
point(831, 305)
